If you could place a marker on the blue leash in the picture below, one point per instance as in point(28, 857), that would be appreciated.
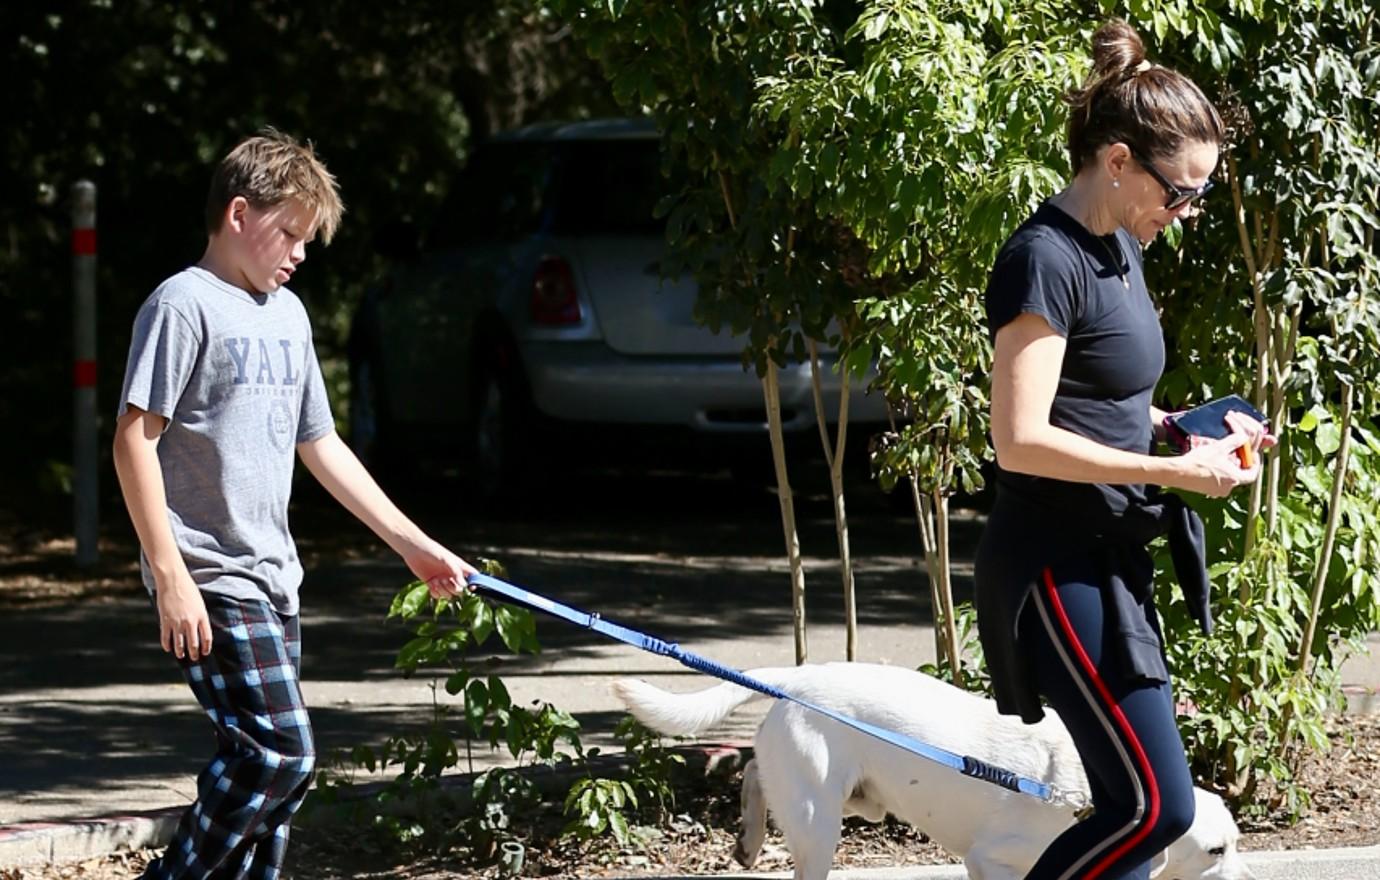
point(965, 764)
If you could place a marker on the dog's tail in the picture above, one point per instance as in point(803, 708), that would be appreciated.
point(685, 714)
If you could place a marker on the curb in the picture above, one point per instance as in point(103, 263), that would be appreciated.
point(49, 843)
point(1361, 700)
point(1344, 863)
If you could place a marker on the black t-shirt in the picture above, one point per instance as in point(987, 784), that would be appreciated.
point(1053, 266)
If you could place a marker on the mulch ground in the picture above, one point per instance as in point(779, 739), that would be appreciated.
point(698, 836)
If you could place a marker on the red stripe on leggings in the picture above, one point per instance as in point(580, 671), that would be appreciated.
point(1136, 748)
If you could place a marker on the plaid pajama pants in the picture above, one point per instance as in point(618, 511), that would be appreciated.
point(238, 825)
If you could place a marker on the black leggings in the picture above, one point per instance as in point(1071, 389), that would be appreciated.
point(1124, 731)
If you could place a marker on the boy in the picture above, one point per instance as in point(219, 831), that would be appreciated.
point(221, 387)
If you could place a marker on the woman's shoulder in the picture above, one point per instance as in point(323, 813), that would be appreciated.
point(1042, 243)
point(1038, 252)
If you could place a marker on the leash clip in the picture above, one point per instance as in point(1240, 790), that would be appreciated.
point(1079, 802)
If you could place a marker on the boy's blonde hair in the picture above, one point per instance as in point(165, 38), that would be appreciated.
point(269, 169)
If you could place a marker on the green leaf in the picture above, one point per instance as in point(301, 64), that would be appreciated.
point(1311, 478)
point(517, 629)
point(481, 621)
point(620, 828)
point(576, 792)
point(456, 682)
point(1329, 438)
point(410, 600)
point(1174, 235)
point(828, 164)
point(876, 26)
point(413, 653)
point(476, 705)
point(498, 693)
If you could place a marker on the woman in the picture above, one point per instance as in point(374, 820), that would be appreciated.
point(1064, 596)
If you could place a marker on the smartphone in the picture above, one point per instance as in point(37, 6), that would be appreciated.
point(1209, 420)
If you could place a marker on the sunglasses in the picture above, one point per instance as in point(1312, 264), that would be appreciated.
point(1177, 195)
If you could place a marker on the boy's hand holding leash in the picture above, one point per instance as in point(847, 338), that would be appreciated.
point(445, 573)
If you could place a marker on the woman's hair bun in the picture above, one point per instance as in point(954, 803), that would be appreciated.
point(1127, 100)
point(1117, 49)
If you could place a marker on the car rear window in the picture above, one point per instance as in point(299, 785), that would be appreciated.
point(608, 188)
point(499, 194)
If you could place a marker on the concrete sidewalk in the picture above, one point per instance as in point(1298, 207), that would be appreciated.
point(96, 722)
point(76, 841)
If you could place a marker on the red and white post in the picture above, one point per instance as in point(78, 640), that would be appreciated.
point(84, 442)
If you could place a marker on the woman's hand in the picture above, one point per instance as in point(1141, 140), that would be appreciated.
point(1213, 467)
point(1261, 438)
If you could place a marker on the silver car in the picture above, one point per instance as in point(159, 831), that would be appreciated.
point(537, 303)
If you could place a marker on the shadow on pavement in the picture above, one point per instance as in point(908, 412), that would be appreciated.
point(688, 557)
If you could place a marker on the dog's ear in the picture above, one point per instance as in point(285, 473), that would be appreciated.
point(1159, 863)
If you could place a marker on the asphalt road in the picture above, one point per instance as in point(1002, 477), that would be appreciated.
point(95, 720)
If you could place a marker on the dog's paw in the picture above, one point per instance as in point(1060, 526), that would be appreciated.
point(767, 854)
point(742, 856)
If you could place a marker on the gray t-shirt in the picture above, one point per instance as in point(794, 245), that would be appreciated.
point(237, 378)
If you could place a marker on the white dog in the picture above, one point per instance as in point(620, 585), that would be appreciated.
point(813, 771)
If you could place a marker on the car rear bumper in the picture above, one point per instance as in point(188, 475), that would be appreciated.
point(587, 382)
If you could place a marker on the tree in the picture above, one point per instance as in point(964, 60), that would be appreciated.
point(765, 260)
point(920, 142)
point(1274, 293)
point(923, 135)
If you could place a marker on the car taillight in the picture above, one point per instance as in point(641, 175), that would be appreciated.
point(553, 293)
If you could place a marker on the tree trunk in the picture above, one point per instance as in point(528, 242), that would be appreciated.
point(1261, 321)
point(927, 543)
point(833, 457)
point(772, 391)
point(946, 592)
point(1284, 361)
point(1334, 517)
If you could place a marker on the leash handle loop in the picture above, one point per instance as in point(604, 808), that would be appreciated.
point(988, 773)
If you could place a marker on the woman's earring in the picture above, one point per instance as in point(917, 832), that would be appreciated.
point(1116, 184)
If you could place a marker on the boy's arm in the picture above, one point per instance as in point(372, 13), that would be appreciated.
point(337, 469)
point(182, 622)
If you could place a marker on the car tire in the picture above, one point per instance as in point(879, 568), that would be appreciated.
point(501, 433)
point(371, 428)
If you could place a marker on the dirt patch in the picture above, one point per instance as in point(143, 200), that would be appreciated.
point(39, 569)
point(38, 565)
point(699, 837)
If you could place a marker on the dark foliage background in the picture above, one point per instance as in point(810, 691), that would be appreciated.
point(143, 97)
